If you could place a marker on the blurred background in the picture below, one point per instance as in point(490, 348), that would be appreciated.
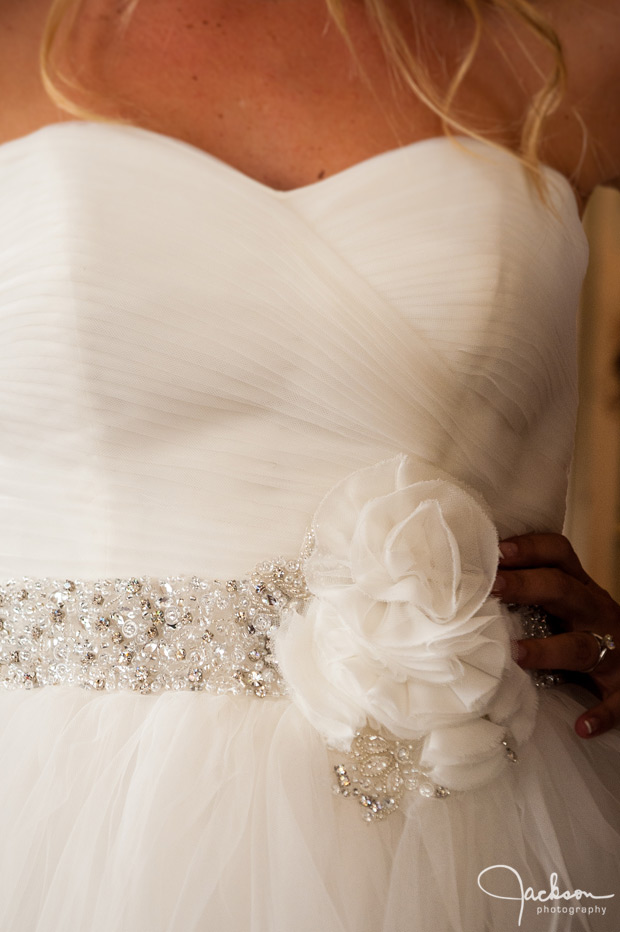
point(593, 520)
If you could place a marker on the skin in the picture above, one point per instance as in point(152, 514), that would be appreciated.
point(266, 87)
point(271, 89)
point(543, 569)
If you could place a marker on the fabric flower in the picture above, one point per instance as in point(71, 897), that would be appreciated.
point(402, 632)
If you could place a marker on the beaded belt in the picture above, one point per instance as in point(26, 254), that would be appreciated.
point(187, 633)
point(148, 634)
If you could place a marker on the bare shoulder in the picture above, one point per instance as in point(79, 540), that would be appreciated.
point(24, 105)
point(590, 34)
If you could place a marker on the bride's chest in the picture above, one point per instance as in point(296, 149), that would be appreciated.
point(272, 89)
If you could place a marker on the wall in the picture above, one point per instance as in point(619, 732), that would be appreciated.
point(593, 522)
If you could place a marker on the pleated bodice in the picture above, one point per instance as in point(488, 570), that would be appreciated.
point(190, 360)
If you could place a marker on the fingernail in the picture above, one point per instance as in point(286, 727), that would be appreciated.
point(498, 586)
point(518, 651)
point(508, 551)
point(592, 725)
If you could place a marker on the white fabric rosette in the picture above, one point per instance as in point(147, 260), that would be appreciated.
point(402, 632)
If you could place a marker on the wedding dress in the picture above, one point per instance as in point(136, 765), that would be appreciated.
point(257, 451)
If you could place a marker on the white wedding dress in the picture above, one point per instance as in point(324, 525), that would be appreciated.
point(190, 363)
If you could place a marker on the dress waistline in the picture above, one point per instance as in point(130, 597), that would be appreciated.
point(149, 634)
point(186, 633)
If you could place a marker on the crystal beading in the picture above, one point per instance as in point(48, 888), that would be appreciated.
point(187, 633)
point(148, 634)
point(536, 624)
point(378, 770)
point(534, 620)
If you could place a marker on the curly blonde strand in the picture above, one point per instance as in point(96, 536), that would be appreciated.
point(61, 17)
point(60, 85)
point(412, 71)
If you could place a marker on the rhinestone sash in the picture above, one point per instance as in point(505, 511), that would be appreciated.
point(148, 634)
point(187, 633)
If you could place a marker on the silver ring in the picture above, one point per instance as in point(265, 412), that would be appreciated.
point(605, 643)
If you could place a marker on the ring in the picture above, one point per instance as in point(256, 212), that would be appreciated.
point(605, 643)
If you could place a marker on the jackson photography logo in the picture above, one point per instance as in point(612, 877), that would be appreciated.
point(549, 902)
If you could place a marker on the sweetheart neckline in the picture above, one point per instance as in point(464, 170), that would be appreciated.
point(291, 193)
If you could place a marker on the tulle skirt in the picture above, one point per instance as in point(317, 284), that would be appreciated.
point(189, 812)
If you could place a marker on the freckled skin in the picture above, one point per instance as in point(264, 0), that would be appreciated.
point(270, 87)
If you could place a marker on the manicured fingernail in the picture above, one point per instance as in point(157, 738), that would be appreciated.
point(498, 586)
point(592, 725)
point(508, 551)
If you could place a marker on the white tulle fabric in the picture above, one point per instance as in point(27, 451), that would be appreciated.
point(190, 362)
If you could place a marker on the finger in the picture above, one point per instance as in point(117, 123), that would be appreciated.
point(600, 718)
point(573, 650)
point(558, 593)
point(532, 550)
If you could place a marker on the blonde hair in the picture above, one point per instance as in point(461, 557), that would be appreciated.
point(62, 87)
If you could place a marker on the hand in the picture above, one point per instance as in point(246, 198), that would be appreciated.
point(543, 569)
